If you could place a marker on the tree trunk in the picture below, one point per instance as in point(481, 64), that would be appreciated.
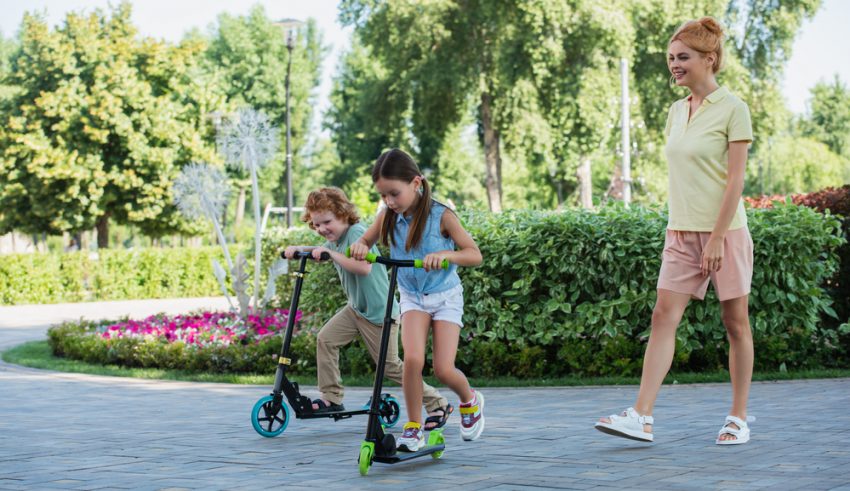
point(102, 226)
point(492, 157)
point(585, 188)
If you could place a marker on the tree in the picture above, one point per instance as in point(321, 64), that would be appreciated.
point(99, 128)
point(249, 54)
point(828, 120)
point(789, 164)
point(438, 55)
point(368, 114)
point(760, 35)
point(7, 51)
point(563, 80)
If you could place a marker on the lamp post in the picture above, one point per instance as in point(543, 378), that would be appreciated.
point(289, 26)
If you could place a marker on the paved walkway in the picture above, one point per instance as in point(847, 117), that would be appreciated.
point(68, 431)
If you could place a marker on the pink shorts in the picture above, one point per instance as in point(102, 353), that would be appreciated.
point(680, 264)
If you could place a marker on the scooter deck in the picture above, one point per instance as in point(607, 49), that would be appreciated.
point(402, 456)
point(336, 415)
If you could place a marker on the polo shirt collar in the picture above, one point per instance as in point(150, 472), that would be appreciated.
point(716, 96)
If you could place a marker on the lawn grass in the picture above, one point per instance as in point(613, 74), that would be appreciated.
point(37, 354)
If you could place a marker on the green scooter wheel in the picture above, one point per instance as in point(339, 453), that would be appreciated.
point(367, 450)
point(436, 438)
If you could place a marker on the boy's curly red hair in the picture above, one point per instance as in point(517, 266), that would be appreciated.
point(329, 199)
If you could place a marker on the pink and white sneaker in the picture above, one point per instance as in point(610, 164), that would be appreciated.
point(472, 417)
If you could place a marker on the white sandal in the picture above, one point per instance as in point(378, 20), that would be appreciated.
point(741, 434)
point(629, 424)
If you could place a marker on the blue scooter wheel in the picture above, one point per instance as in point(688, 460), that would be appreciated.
point(390, 411)
point(266, 421)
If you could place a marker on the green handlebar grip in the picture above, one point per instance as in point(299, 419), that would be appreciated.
point(417, 263)
point(370, 257)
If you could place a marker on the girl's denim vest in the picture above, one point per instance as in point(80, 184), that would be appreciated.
point(417, 280)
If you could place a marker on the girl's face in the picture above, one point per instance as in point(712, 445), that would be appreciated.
point(398, 195)
point(328, 225)
point(689, 67)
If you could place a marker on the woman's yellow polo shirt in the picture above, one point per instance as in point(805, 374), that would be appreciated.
point(697, 158)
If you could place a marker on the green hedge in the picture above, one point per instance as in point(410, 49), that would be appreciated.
point(112, 274)
point(562, 293)
point(572, 293)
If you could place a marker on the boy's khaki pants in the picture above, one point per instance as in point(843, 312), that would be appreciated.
point(341, 330)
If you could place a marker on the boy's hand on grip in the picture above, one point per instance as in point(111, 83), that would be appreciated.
point(318, 252)
point(290, 251)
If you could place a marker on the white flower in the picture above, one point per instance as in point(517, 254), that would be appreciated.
point(200, 191)
point(248, 140)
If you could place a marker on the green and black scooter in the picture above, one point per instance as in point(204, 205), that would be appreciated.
point(380, 446)
point(270, 415)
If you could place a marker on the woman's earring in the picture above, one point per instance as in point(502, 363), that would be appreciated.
point(419, 190)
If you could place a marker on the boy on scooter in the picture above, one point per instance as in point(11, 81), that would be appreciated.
point(331, 215)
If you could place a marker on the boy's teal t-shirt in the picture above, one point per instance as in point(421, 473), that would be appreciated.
point(367, 295)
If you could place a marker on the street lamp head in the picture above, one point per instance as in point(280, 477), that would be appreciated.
point(289, 26)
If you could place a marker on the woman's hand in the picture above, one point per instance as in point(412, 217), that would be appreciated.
point(434, 261)
point(358, 250)
point(712, 255)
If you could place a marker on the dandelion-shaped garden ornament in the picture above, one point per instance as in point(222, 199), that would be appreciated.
point(249, 140)
point(201, 191)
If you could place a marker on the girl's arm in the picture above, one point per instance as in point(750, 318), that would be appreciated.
point(712, 254)
point(361, 246)
point(466, 254)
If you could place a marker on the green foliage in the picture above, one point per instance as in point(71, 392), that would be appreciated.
point(7, 49)
point(101, 124)
point(795, 165)
point(249, 54)
point(576, 290)
point(110, 275)
point(829, 118)
point(561, 294)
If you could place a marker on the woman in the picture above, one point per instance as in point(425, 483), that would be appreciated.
point(707, 238)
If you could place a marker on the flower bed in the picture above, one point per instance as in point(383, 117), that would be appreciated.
point(201, 330)
point(214, 342)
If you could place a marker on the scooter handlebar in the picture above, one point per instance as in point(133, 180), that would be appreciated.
point(404, 263)
point(308, 254)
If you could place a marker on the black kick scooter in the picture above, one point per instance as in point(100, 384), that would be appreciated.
point(380, 446)
point(270, 416)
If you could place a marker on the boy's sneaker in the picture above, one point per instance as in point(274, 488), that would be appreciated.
point(472, 417)
point(412, 439)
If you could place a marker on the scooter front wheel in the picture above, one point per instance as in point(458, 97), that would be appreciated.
point(367, 450)
point(267, 420)
point(436, 438)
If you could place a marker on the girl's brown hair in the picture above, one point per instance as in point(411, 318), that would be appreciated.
point(329, 199)
point(704, 35)
point(397, 165)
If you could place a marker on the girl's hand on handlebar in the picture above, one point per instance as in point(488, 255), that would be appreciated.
point(358, 251)
point(434, 261)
